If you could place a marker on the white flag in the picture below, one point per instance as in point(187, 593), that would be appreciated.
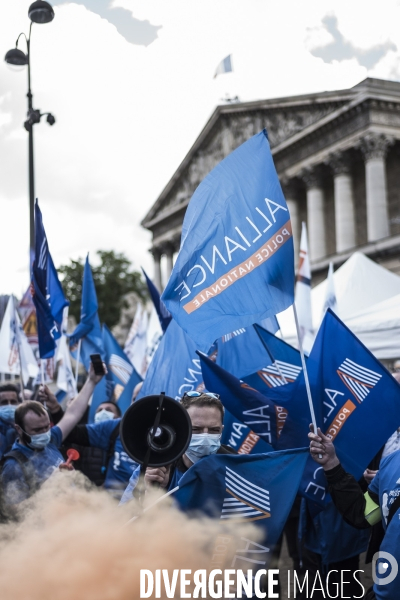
point(154, 335)
point(330, 295)
point(14, 345)
point(136, 343)
point(225, 66)
point(303, 294)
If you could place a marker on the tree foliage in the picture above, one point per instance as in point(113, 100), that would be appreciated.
point(113, 278)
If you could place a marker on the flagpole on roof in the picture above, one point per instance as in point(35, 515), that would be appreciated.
point(303, 362)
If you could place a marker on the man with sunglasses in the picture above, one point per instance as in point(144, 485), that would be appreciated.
point(206, 413)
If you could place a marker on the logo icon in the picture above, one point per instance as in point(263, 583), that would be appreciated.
point(121, 369)
point(230, 336)
point(384, 568)
point(246, 501)
point(359, 380)
point(279, 373)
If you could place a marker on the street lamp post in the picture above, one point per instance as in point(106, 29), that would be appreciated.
point(39, 12)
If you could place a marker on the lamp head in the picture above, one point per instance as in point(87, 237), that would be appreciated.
point(16, 57)
point(41, 12)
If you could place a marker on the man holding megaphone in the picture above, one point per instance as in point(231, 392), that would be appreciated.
point(206, 414)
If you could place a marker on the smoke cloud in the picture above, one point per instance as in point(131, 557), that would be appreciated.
point(73, 544)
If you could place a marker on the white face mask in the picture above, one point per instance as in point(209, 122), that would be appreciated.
point(103, 415)
point(203, 444)
point(7, 413)
point(40, 440)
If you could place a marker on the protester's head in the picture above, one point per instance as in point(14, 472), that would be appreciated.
point(206, 414)
point(9, 400)
point(136, 391)
point(32, 423)
point(106, 411)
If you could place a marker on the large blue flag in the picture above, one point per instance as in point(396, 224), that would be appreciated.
point(242, 353)
point(121, 374)
point(265, 416)
point(236, 262)
point(258, 488)
point(175, 368)
point(89, 329)
point(285, 364)
point(48, 295)
point(356, 402)
point(163, 314)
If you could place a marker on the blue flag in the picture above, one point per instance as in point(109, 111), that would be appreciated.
point(265, 416)
point(260, 488)
point(356, 402)
point(236, 262)
point(175, 368)
point(121, 374)
point(241, 438)
point(48, 295)
point(242, 353)
point(89, 329)
point(163, 314)
point(285, 364)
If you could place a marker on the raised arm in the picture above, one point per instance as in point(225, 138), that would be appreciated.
point(77, 408)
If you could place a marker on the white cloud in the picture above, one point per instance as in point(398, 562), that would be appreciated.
point(127, 114)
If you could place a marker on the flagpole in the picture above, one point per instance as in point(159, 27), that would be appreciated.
point(175, 489)
point(303, 362)
point(19, 352)
point(78, 352)
point(42, 370)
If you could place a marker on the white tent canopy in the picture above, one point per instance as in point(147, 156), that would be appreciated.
point(361, 285)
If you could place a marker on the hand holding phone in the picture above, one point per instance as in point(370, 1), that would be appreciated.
point(97, 364)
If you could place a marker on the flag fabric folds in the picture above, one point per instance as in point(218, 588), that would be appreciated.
point(225, 66)
point(258, 488)
point(88, 330)
point(163, 314)
point(47, 293)
point(285, 363)
point(236, 262)
point(260, 413)
point(241, 438)
point(303, 294)
point(120, 374)
point(175, 368)
point(242, 353)
point(136, 342)
point(16, 355)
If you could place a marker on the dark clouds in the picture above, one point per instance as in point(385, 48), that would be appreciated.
point(141, 33)
point(341, 49)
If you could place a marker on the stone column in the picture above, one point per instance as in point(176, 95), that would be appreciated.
point(344, 201)
point(290, 191)
point(374, 148)
point(157, 268)
point(315, 213)
point(169, 251)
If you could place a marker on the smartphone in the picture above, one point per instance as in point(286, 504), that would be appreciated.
point(97, 364)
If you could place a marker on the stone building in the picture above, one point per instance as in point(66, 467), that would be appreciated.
point(338, 159)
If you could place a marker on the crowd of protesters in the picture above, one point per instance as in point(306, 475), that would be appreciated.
point(36, 434)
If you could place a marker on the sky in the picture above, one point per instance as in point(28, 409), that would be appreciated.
point(131, 85)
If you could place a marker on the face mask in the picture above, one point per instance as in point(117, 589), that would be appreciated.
point(203, 444)
point(103, 415)
point(40, 440)
point(7, 413)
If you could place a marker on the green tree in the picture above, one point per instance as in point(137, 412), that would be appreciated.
point(113, 278)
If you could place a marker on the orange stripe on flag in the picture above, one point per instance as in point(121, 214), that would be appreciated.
point(340, 419)
point(255, 260)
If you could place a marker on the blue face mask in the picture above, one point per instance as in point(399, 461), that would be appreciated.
point(203, 444)
point(7, 413)
point(40, 440)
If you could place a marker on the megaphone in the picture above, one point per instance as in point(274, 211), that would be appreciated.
point(153, 437)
